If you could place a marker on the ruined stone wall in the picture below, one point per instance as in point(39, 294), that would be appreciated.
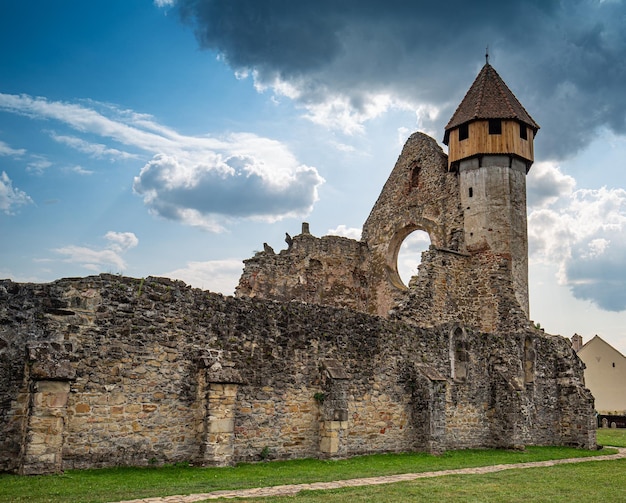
point(420, 194)
point(473, 290)
point(149, 357)
point(329, 270)
point(107, 370)
point(477, 407)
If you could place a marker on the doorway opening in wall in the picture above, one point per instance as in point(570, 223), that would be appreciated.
point(410, 254)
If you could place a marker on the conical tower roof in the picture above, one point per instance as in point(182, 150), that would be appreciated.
point(489, 98)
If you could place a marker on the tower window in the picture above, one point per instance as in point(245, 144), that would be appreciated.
point(463, 131)
point(471, 192)
point(523, 132)
point(495, 126)
point(415, 176)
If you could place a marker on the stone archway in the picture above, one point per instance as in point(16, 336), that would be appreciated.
point(396, 243)
point(410, 254)
point(420, 194)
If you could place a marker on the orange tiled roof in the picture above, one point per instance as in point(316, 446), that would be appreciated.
point(489, 98)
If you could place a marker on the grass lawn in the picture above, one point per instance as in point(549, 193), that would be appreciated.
point(615, 437)
point(586, 482)
point(127, 483)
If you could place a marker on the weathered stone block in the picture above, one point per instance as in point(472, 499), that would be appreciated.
point(133, 408)
point(329, 445)
point(51, 360)
point(221, 425)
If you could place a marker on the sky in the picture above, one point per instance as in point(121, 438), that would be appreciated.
point(174, 137)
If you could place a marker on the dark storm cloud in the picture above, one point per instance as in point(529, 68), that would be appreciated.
point(564, 60)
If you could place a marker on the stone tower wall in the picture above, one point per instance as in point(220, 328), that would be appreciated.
point(493, 197)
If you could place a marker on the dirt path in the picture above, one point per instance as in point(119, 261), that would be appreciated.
point(286, 490)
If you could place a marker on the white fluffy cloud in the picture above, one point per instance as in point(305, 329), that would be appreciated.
point(6, 150)
point(121, 241)
point(96, 150)
point(11, 197)
point(108, 259)
point(345, 231)
point(546, 184)
point(216, 275)
point(203, 193)
point(37, 164)
point(202, 181)
point(583, 232)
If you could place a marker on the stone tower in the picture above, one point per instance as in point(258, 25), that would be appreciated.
point(490, 141)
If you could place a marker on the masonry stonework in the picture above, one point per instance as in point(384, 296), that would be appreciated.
point(153, 371)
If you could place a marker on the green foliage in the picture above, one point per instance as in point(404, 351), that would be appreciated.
point(319, 397)
point(265, 453)
point(615, 437)
point(140, 287)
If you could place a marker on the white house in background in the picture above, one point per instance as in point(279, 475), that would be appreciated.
point(605, 374)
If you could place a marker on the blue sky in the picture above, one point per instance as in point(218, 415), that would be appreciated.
point(173, 138)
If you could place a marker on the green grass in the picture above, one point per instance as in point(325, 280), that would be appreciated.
point(586, 482)
point(614, 437)
point(127, 483)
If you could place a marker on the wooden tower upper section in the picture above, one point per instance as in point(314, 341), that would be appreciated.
point(490, 120)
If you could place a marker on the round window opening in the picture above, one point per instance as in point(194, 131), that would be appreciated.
point(410, 254)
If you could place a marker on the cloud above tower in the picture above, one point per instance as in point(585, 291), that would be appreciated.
point(347, 62)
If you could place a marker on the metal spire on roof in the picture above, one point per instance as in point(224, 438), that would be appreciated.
point(487, 55)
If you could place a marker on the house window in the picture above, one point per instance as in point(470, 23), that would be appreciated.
point(495, 126)
point(463, 131)
point(523, 132)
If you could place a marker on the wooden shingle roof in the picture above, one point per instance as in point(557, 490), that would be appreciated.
point(489, 98)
